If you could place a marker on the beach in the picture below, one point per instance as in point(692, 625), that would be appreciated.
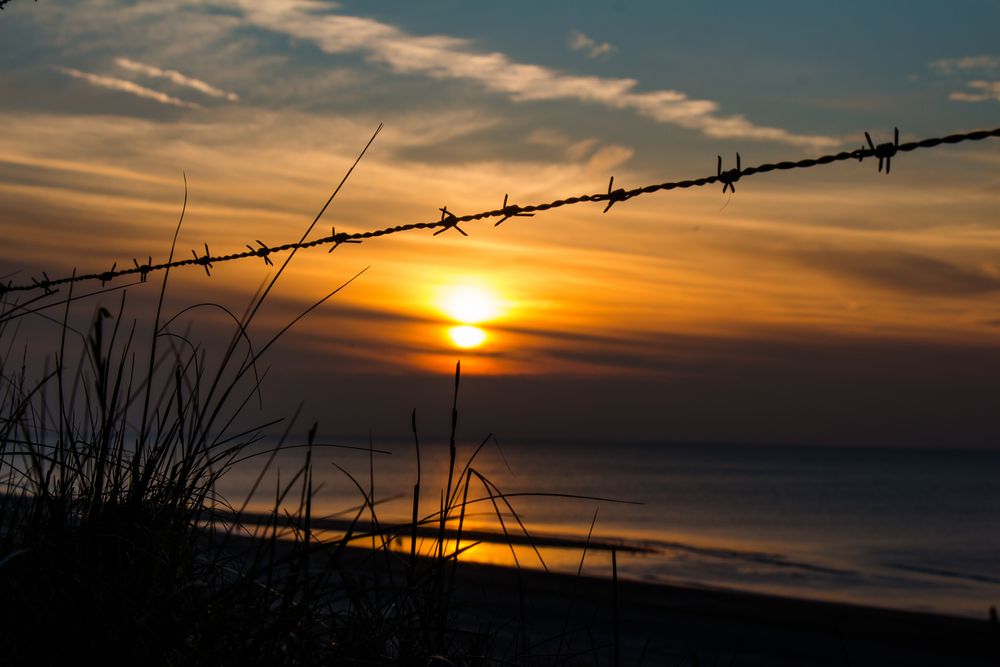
point(673, 625)
point(530, 616)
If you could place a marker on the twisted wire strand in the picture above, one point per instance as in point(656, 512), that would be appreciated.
point(884, 152)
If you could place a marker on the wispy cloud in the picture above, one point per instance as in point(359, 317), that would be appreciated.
point(175, 77)
point(581, 42)
point(129, 87)
point(950, 65)
point(446, 57)
point(985, 90)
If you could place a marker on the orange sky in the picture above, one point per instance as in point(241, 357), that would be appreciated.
point(838, 255)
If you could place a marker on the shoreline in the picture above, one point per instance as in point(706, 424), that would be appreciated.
point(558, 615)
point(562, 554)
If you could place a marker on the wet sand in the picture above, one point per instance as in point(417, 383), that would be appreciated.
point(672, 625)
point(560, 615)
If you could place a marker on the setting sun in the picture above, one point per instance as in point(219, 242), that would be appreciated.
point(467, 336)
point(468, 305)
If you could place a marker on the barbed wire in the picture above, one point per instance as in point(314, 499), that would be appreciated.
point(885, 152)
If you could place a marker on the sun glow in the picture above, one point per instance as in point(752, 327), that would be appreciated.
point(469, 304)
point(467, 336)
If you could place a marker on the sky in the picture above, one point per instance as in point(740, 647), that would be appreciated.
point(835, 305)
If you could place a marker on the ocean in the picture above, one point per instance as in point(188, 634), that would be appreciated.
point(904, 528)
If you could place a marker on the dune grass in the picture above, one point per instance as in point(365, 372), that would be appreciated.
point(114, 544)
point(115, 547)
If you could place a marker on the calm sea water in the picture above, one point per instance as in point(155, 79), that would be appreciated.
point(913, 529)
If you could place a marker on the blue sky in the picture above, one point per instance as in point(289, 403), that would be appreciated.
point(686, 298)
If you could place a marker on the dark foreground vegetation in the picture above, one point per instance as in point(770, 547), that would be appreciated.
point(116, 549)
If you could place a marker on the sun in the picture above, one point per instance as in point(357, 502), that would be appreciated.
point(467, 336)
point(469, 304)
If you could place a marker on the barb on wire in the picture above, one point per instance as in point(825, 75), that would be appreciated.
point(511, 211)
point(206, 261)
point(40, 284)
point(337, 239)
point(729, 177)
point(262, 251)
point(143, 269)
point(108, 275)
point(884, 151)
point(615, 195)
point(448, 220)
